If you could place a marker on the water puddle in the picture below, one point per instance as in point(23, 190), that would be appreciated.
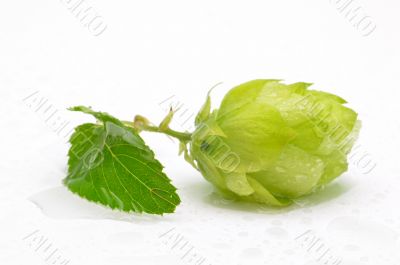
point(60, 203)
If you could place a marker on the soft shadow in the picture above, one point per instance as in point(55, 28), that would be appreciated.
point(60, 203)
point(320, 197)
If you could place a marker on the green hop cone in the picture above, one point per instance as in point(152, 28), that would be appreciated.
point(272, 143)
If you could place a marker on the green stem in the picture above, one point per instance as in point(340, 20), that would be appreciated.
point(179, 135)
point(148, 128)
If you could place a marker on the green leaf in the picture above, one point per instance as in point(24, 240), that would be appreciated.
point(110, 164)
point(101, 116)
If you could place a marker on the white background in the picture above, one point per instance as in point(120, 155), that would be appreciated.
point(154, 50)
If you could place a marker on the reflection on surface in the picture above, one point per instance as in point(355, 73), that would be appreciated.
point(60, 203)
point(327, 194)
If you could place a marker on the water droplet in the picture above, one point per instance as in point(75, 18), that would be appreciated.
point(126, 238)
point(306, 220)
point(351, 247)
point(243, 234)
point(221, 246)
point(277, 232)
point(301, 178)
point(289, 251)
point(251, 253)
point(276, 222)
